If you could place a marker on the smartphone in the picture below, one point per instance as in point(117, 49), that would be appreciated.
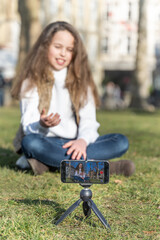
point(89, 171)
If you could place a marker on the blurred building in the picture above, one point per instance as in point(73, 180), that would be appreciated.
point(120, 35)
point(156, 50)
point(108, 29)
point(9, 38)
point(9, 46)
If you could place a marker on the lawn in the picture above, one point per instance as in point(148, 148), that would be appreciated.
point(30, 205)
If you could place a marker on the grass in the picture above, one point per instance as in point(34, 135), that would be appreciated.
point(30, 205)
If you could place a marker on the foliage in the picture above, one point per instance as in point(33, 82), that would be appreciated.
point(30, 205)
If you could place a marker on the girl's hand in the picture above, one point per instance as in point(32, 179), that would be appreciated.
point(49, 121)
point(77, 148)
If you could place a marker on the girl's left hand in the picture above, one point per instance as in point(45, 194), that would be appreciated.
point(77, 148)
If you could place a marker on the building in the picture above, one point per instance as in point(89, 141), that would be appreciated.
point(109, 29)
point(120, 35)
point(9, 39)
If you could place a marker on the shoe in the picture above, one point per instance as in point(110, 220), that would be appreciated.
point(22, 163)
point(37, 167)
point(122, 167)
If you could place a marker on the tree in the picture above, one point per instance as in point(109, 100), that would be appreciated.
point(30, 25)
point(141, 81)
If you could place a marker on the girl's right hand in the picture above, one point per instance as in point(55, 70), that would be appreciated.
point(77, 148)
point(49, 121)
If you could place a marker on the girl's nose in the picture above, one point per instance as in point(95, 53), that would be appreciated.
point(63, 52)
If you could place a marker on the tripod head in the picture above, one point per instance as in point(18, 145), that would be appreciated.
point(85, 193)
point(85, 185)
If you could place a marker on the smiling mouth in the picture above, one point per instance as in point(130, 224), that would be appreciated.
point(60, 61)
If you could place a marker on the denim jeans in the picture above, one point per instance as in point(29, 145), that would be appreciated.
point(49, 151)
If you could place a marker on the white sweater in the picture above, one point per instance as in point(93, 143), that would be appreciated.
point(61, 104)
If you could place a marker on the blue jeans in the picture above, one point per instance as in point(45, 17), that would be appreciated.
point(49, 151)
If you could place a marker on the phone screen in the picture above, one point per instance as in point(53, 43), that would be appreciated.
point(90, 171)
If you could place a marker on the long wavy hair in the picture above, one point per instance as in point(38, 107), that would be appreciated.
point(36, 67)
point(82, 168)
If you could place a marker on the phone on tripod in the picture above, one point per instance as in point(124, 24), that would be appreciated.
point(89, 171)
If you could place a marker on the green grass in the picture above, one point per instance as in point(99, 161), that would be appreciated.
point(30, 205)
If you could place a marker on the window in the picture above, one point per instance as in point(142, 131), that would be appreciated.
point(128, 45)
point(53, 7)
point(129, 11)
point(104, 45)
point(67, 8)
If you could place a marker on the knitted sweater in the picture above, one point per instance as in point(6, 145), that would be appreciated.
point(60, 103)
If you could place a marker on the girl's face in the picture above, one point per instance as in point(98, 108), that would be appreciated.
point(80, 165)
point(61, 49)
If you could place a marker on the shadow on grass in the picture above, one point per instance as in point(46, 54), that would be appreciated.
point(59, 210)
point(144, 112)
point(37, 202)
point(8, 158)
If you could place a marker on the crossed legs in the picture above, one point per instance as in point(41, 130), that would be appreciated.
point(49, 151)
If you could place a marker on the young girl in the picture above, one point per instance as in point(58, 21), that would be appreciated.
point(58, 100)
point(79, 173)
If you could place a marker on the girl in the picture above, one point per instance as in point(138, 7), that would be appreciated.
point(79, 173)
point(58, 100)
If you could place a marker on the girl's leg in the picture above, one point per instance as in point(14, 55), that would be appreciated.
point(112, 146)
point(108, 147)
point(47, 150)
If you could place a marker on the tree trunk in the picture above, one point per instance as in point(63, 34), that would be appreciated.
point(30, 25)
point(141, 81)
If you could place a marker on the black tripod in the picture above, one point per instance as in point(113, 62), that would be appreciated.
point(88, 204)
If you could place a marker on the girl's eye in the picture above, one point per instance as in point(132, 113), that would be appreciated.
point(57, 46)
point(70, 49)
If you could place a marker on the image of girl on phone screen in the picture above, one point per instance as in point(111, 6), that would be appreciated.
point(79, 174)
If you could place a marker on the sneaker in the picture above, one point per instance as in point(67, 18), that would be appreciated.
point(122, 167)
point(22, 163)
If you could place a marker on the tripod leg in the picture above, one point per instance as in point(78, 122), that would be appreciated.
point(68, 211)
point(86, 209)
point(98, 213)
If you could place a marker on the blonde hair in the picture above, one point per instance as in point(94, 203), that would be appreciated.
point(36, 67)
